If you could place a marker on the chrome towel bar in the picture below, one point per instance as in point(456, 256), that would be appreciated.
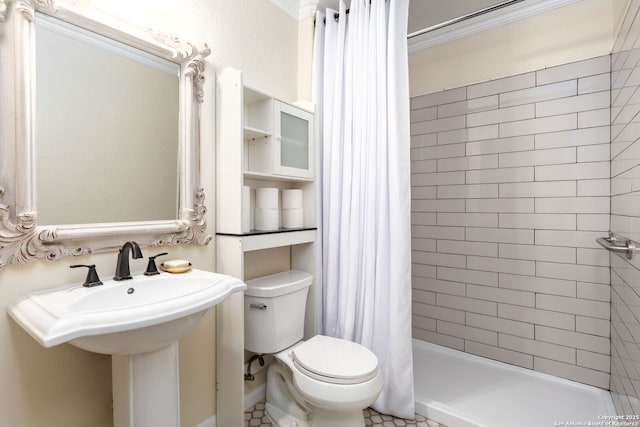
point(618, 244)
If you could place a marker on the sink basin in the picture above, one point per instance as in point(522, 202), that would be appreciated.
point(138, 322)
point(133, 316)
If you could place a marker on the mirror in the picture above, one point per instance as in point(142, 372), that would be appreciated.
point(106, 139)
point(76, 177)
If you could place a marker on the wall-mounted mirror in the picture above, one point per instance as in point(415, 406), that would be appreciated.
point(106, 129)
point(99, 133)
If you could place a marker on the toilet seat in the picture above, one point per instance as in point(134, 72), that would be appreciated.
point(335, 360)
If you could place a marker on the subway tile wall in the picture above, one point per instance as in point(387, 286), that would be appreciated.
point(510, 188)
point(625, 214)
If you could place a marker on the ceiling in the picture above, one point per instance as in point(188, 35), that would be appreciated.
point(427, 13)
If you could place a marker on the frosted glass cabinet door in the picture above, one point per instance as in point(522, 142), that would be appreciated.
point(294, 141)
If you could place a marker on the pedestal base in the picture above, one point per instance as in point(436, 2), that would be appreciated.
point(146, 389)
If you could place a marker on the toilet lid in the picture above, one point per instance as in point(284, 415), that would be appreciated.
point(335, 360)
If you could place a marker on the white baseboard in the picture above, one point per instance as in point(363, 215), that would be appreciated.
point(250, 400)
point(255, 396)
point(209, 422)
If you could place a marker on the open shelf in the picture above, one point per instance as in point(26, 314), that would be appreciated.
point(257, 240)
point(253, 133)
point(260, 232)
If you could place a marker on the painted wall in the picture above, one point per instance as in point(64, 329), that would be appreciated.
point(306, 29)
point(625, 212)
point(578, 31)
point(71, 387)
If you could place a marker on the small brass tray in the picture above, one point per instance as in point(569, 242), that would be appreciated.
point(175, 270)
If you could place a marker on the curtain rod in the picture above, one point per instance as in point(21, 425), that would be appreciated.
point(453, 21)
point(463, 18)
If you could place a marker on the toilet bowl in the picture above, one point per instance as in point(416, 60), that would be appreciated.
point(320, 382)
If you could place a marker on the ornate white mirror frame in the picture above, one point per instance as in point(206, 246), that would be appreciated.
point(21, 239)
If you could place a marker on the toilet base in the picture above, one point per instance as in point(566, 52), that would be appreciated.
point(279, 418)
point(281, 406)
point(320, 418)
point(286, 408)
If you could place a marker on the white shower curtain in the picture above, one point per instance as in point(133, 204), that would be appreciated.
point(361, 90)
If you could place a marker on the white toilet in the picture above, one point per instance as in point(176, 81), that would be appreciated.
point(321, 382)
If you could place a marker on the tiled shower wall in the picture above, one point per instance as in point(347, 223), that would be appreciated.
point(510, 188)
point(625, 214)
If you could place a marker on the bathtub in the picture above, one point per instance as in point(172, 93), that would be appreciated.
point(462, 390)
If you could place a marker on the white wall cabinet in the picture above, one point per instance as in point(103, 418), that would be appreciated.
point(293, 141)
point(261, 141)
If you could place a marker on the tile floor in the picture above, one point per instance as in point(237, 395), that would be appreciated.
point(256, 417)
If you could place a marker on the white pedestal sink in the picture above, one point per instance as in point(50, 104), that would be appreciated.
point(138, 322)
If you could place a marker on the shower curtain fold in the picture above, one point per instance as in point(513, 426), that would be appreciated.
point(361, 90)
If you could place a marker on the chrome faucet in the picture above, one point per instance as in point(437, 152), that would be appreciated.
point(122, 267)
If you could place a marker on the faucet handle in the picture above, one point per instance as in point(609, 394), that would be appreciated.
point(152, 269)
point(92, 275)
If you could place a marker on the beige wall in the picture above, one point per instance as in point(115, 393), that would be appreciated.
point(306, 31)
point(70, 387)
point(581, 30)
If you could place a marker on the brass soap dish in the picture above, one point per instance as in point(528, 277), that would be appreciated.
point(169, 268)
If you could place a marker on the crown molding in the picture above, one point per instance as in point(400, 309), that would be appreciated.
point(484, 22)
point(297, 9)
point(307, 9)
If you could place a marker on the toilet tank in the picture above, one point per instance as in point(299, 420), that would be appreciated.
point(274, 308)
